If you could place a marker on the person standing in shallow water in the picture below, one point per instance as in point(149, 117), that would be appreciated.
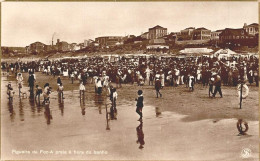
point(139, 104)
point(158, 86)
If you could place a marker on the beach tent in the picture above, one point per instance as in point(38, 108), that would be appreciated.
point(224, 53)
point(196, 51)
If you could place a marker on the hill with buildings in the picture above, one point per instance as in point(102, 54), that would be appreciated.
point(156, 40)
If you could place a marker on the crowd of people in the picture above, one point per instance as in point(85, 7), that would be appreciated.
point(153, 71)
point(172, 71)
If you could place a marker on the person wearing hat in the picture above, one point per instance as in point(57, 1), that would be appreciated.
point(31, 81)
point(151, 77)
point(19, 79)
point(82, 90)
point(72, 77)
point(46, 93)
point(99, 86)
point(139, 104)
point(38, 92)
point(211, 80)
point(191, 82)
point(158, 86)
point(217, 83)
point(60, 90)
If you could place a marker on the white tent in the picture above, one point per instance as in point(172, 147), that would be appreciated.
point(224, 53)
point(196, 51)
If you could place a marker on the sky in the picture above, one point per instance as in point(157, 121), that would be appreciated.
point(23, 23)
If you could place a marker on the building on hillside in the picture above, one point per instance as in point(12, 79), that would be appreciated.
point(80, 46)
point(145, 35)
point(48, 48)
point(94, 44)
point(251, 29)
point(87, 42)
point(157, 41)
point(62, 45)
point(201, 34)
point(14, 50)
point(157, 32)
point(187, 33)
point(214, 36)
point(128, 39)
point(157, 45)
point(170, 37)
point(237, 37)
point(36, 48)
point(109, 40)
point(74, 47)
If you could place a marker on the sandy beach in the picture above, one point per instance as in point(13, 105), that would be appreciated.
point(185, 117)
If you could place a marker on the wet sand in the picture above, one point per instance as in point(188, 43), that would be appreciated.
point(190, 127)
point(197, 104)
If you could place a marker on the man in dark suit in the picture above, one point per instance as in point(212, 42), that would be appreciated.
point(31, 81)
point(217, 83)
point(158, 86)
point(139, 104)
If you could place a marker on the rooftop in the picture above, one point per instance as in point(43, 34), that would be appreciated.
point(253, 24)
point(190, 28)
point(201, 28)
point(156, 27)
point(219, 30)
point(235, 31)
point(37, 42)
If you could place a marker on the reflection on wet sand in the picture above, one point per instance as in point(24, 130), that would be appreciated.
point(140, 135)
point(32, 104)
point(61, 105)
point(39, 109)
point(113, 112)
point(107, 118)
point(38, 102)
point(11, 110)
point(99, 102)
point(21, 112)
point(82, 105)
point(158, 111)
point(47, 114)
